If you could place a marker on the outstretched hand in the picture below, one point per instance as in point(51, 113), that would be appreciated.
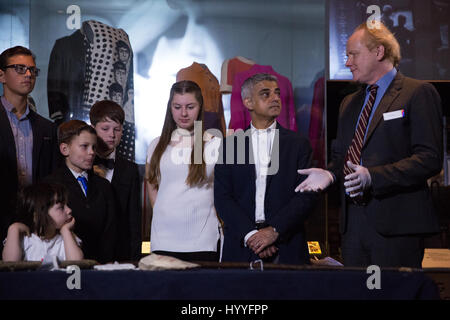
point(317, 180)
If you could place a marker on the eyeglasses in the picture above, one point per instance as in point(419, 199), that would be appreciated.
point(22, 69)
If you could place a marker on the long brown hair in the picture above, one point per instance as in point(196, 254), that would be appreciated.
point(197, 172)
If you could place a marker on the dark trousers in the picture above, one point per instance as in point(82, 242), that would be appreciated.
point(362, 245)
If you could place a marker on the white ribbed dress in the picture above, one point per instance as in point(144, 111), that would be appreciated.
point(184, 218)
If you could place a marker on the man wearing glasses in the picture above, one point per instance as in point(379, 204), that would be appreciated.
point(28, 148)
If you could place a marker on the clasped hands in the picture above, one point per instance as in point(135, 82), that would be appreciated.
point(262, 242)
point(320, 179)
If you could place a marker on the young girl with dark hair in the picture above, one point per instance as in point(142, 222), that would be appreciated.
point(45, 226)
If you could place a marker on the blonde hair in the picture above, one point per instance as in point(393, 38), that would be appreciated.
point(380, 35)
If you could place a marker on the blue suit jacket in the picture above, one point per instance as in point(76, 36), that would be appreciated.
point(285, 210)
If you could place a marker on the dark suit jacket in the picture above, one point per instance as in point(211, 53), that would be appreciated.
point(285, 210)
point(45, 158)
point(95, 215)
point(66, 76)
point(126, 186)
point(400, 154)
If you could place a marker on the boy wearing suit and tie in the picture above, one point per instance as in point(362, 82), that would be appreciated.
point(90, 196)
point(107, 118)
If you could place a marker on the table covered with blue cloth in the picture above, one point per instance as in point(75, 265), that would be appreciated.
point(218, 284)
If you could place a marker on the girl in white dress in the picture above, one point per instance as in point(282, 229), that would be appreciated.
point(180, 181)
point(45, 226)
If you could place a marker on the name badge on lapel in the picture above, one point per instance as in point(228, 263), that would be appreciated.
point(393, 115)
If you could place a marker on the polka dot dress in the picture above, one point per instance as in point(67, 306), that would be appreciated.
point(109, 76)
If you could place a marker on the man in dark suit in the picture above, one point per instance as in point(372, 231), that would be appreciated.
point(28, 148)
point(254, 183)
point(108, 117)
point(389, 142)
point(91, 197)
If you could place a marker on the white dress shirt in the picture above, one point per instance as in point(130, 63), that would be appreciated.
point(76, 175)
point(262, 142)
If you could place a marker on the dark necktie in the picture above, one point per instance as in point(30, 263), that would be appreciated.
point(83, 181)
point(107, 163)
point(354, 151)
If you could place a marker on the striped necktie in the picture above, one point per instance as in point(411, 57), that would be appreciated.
point(354, 151)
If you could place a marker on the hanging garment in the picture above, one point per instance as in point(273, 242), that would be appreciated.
point(213, 116)
point(94, 63)
point(230, 68)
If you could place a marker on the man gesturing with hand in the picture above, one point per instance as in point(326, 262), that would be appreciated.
point(389, 142)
